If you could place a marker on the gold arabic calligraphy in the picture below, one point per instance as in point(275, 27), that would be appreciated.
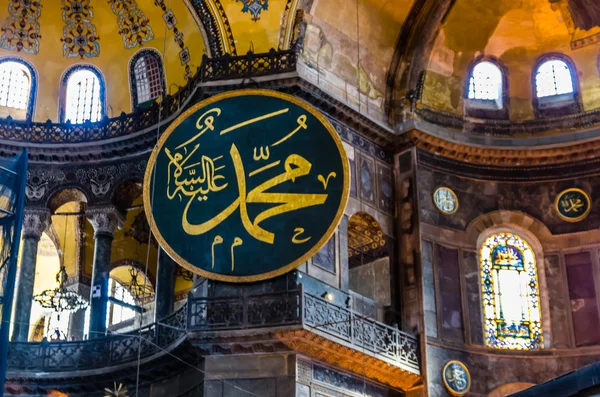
point(571, 205)
point(193, 176)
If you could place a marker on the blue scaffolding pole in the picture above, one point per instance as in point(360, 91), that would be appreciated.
point(13, 177)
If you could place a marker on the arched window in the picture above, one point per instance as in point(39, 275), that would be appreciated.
point(510, 294)
point(553, 78)
point(555, 87)
point(17, 86)
point(147, 77)
point(84, 95)
point(485, 83)
point(119, 308)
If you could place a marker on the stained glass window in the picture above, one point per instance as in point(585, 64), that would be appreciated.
point(510, 294)
point(486, 83)
point(553, 77)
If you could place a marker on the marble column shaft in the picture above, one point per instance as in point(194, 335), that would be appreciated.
point(104, 220)
point(165, 286)
point(35, 222)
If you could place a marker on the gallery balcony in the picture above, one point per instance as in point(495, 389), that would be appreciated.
point(295, 319)
point(313, 326)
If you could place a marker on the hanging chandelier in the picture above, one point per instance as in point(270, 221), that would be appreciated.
point(139, 290)
point(59, 299)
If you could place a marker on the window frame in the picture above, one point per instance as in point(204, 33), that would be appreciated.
point(62, 109)
point(553, 106)
point(133, 78)
point(542, 300)
point(30, 108)
point(482, 108)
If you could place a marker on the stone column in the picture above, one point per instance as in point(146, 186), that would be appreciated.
point(165, 286)
point(343, 254)
point(35, 222)
point(104, 220)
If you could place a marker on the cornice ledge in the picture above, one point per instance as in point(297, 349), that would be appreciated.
point(505, 133)
point(313, 345)
point(463, 152)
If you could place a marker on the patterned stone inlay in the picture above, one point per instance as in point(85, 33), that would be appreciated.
point(21, 31)
point(133, 24)
point(79, 34)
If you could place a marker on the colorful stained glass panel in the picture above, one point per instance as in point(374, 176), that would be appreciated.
point(510, 294)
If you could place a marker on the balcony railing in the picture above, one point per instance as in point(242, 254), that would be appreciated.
point(289, 309)
point(336, 323)
point(97, 353)
point(212, 69)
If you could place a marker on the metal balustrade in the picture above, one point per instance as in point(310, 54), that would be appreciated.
point(334, 322)
point(98, 353)
point(279, 309)
point(212, 69)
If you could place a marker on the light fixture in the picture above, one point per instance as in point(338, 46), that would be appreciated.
point(138, 290)
point(59, 299)
point(327, 296)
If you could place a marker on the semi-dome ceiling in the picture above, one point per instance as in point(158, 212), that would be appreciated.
point(518, 33)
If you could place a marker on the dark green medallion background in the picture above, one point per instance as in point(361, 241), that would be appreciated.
point(254, 260)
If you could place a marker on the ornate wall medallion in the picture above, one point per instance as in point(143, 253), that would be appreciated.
point(573, 205)
point(445, 200)
point(456, 378)
point(246, 185)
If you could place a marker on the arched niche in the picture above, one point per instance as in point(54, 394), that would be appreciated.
point(369, 260)
point(48, 264)
point(63, 196)
point(533, 240)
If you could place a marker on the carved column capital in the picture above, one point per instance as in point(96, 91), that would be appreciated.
point(105, 219)
point(35, 222)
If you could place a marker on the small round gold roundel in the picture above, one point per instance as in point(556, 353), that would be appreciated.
point(457, 378)
point(573, 205)
point(445, 200)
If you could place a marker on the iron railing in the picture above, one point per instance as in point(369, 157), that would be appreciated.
point(279, 309)
point(364, 334)
point(334, 322)
point(212, 69)
point(242, 312)
point(248, 66)
point(98, 353)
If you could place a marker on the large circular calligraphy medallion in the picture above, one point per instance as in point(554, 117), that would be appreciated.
point(246, 185)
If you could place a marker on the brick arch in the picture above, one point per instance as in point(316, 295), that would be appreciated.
point(500, 218)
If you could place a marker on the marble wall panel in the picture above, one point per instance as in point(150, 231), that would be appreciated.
point(559, 315)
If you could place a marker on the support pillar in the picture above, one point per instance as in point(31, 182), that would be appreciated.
point(165, 286)
point(35, 222)
point(104, 220)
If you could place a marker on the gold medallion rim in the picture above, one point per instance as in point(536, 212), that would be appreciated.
point(284, 269)
point(446, 382)
point(582, 216)
point(453, 195)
